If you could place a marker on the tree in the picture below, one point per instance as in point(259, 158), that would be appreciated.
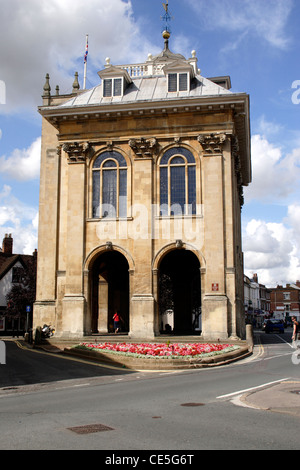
point(23, 292)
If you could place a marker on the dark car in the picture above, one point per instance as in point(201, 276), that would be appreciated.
point(273, 326)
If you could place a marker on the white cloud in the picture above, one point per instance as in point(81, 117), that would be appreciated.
point(268, 129)
point(261, 18)
point(293, 220)
point(272, 251)
point(19, 219)
point(275, 176)
point(48, 36)
point(23, 165)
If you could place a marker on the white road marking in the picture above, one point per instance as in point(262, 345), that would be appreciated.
point(240, 392)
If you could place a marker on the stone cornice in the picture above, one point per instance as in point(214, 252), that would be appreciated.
point(207, 104)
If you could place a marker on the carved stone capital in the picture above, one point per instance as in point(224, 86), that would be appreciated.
point(77, 152)
point(212, 143)
point(143, 148)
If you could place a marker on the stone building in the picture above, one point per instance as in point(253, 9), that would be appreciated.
point(140, 204)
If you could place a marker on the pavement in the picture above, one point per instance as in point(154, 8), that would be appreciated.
point(283, 397)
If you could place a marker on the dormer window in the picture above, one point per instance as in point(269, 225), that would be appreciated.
point(115, 81)
point(177, 82)
point(112, 87)
point(179, 75)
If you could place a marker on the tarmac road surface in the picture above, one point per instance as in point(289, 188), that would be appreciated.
point(251, 404)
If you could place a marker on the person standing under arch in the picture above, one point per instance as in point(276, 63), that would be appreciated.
point(117, 321)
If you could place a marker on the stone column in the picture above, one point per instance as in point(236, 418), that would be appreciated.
point(215, 302)
point(142, 300)
point(102, 305)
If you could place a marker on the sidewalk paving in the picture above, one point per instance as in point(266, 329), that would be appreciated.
point(281, 398)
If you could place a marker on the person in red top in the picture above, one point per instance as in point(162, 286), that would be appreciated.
point(116, 319)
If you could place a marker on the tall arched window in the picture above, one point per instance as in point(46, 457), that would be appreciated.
point(110, 185)
point(177, 182)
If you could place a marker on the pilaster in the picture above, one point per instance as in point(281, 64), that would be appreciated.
point(142, 300)
point(74, 302)
point(214, 301)
point(45, 305)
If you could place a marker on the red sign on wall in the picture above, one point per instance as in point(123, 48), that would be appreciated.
point(215, 287)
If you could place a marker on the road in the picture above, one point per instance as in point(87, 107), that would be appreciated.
point(44, 397)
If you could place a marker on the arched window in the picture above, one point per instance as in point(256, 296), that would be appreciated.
point(177, 182)
point(110, 185)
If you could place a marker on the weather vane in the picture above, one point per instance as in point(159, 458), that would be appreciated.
point(167, 18)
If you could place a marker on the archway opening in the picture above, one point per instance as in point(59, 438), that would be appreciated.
point(110, 292)
point(180, 293)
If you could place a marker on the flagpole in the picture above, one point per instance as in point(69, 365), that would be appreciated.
point(85, 61)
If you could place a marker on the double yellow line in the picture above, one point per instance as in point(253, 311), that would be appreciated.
point(261, 350)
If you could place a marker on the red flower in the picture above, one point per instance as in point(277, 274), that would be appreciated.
point(159, 349)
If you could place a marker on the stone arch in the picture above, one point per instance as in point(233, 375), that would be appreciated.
point(175, 145)
point(178, 244)
point(108, 272)
point(178, 270)
point(104, 248)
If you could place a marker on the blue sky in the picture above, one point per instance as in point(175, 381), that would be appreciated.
point(256, 42)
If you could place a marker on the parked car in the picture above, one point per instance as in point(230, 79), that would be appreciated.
point(273, 326)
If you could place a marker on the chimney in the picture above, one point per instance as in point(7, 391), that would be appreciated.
point(7, 244)
point(255, 278)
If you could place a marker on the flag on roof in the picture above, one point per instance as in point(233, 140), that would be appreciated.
point(86, 52)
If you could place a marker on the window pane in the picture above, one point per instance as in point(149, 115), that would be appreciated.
point(192, 189)
point(164, 191)
point(117, 86)
point(183, 83)
point(177, 190)
point(109, 193)
point(115, 155)
point(109, 164)
point(107, 87)
point(120, 159)
point(123, 194)
point(177, 150)
point(177, 161)
point(96, 193)
point(172, 82)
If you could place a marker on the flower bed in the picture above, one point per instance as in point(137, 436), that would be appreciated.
point(160, 350)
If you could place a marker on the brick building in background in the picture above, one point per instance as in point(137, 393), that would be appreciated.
point(285, 301)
